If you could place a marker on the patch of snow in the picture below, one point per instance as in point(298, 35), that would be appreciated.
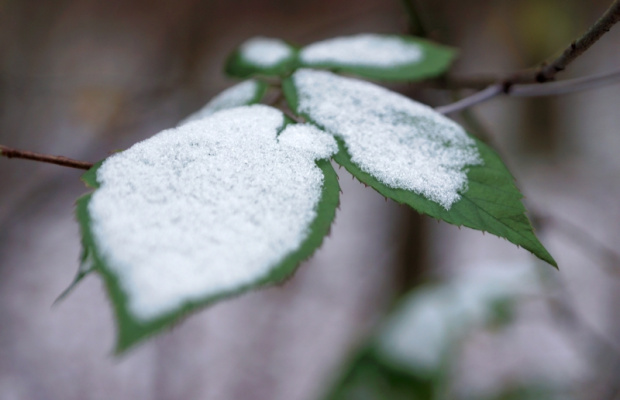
point(238, 95)
point(265, 52)
point(418, 334)
point(368, 50)
point(430, 320)
point(206, 208)
point(402, 143)
point(308, 138)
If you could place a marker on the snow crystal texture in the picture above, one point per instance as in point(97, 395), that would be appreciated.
point(366, 50)
point(265, 52)
point(402, 143)
point(206, 208)
point(236, 96)
point(308, 138)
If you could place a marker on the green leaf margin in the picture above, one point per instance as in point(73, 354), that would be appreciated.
point(131, 331)
point(437, 60)
point(492, 202)
point(86, 267)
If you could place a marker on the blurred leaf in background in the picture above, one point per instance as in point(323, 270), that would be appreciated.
point(414, 353)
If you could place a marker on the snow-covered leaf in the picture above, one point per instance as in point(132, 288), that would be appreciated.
point(413, 352)
point(414, 155)
point(262, 56)
point(375, 56)
point(429, 321)
point(204, 211)
point(242, 94)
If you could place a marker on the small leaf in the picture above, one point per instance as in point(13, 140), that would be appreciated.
point(383, 57)
point(414, 155)
point(262, 56)
point(242, 94)
point(204, 211)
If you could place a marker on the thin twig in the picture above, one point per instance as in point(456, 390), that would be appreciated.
point(533, 90)
point(476, 98)
point(566, 86)
point(547, 72)
point(452, 82)
point(29, 155)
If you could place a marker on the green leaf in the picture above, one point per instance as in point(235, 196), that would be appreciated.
point(413, 155)
point(382, 57)
point(206, 211)
point(413, 353)
point(262, 56)
point(242, 94)
point(492, 203)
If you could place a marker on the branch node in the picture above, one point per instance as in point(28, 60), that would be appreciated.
point(507, 85)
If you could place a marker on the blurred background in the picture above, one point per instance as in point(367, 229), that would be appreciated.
point(84, 78)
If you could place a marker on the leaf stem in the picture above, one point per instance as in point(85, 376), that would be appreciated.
point(416, 27)
point(9, 152)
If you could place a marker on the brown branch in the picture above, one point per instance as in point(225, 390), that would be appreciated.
point(29, 155)
point(546, 72)
point(602, 26)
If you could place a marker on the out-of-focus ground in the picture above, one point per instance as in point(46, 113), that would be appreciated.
point(84, 78)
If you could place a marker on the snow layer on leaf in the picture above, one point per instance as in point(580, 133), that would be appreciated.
point(363, 50)
point(265, 52)
point(433, 318)
point(402, 143)
point(239, 95)
point(309, 138)
point(204, 209)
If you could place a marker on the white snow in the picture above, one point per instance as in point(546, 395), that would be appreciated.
point(238, 95)
point(432, 319)
point(265, 52)
point(206, 208)
point(402, 143)
point(368, 50)
point(308, 138)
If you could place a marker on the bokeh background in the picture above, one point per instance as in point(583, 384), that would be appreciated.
point(84, 78)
